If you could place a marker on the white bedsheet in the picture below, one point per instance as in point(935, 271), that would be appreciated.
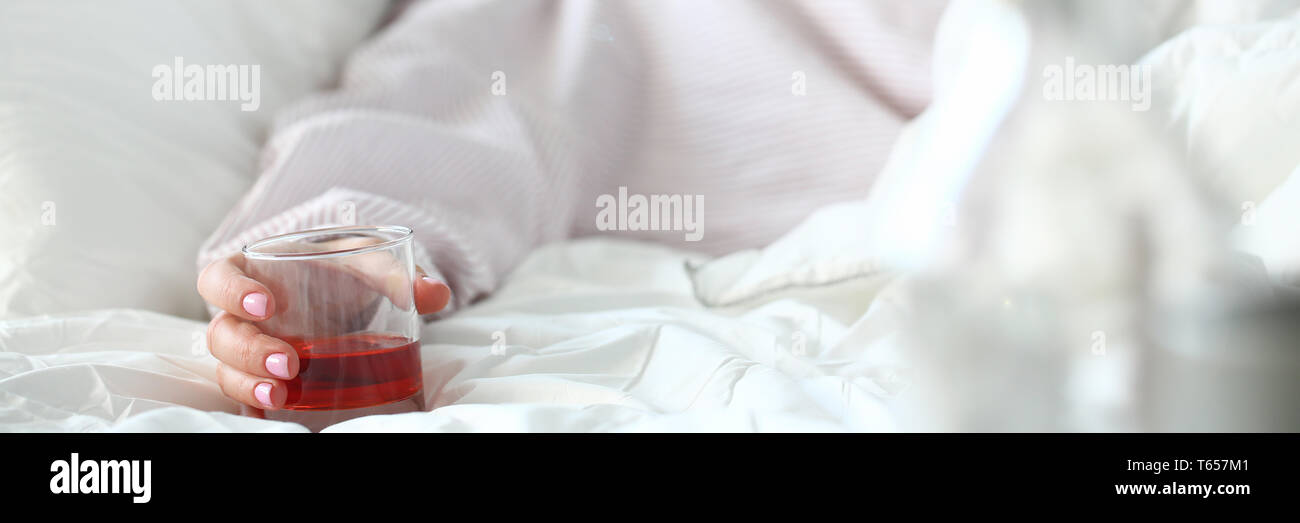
point(598, 335)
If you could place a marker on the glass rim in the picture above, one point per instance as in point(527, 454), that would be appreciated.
point(403, 234)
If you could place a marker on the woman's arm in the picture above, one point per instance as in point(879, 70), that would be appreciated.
point(419, 135)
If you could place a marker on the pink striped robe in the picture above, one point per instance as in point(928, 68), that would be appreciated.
point(493, 126)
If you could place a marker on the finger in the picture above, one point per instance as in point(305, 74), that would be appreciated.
point(243, 346)
point(431, 295)
point(251, 390)
point(383, 273)
point(224, 285)
point(386, 274)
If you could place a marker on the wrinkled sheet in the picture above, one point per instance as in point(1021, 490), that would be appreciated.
point(594, 335)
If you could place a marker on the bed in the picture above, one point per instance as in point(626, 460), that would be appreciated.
point(103, 332)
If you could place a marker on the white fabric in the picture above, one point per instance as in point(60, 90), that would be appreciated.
point(1270, 230)
point(598, 335)
point(1083, 231)
point(1232, 94)
point(105, 192)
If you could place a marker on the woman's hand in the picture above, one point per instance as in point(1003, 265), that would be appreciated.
point(253, 366)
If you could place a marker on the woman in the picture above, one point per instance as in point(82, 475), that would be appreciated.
point(492, 127)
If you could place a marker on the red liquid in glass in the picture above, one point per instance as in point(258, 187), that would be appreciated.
point(353, 371)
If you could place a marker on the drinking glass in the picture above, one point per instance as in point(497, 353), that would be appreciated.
point(344, 301)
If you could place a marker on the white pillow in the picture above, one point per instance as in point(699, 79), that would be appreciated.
point(105, 192)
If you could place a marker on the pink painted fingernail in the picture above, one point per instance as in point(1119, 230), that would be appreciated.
point(255, 304)
point(263, 394)
point(278, 364)
point(430, 279)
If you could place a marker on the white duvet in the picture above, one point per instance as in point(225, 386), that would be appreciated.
point(594, 335)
